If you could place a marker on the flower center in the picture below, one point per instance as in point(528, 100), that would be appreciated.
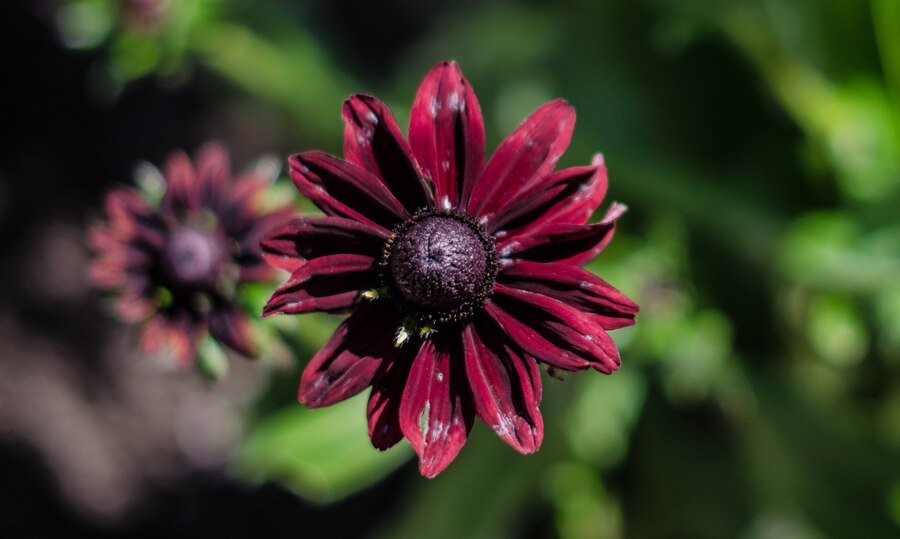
point(441, 264)
point(194, 257)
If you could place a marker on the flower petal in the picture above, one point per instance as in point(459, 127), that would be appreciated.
point(551, 331)
point(134, 303)
point(289, 245)
point(328, 284)
point(525, 156)
point(253, 268)
point(349, 360)
point(573, 286)
point(181, 192)
point(560, 242)
point(435, 410)
point(446, 133)
point(373, 141)
point(132, 220)
point(239, 205)
point(568, 196)
point(231, 327)
point(117, 262)
point(345, 190)
point(383, 409)
point(171, 334)
point(213, 174)
point(506, 388)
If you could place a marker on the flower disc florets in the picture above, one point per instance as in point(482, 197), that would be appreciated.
point(440, 264)
point(194, 257)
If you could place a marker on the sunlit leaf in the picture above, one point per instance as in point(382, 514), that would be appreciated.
point(322, 455)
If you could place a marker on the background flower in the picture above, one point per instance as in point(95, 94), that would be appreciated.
point(176, 253)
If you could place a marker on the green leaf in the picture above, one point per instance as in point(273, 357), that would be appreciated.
point(322, 455)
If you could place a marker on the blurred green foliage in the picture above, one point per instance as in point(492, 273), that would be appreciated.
point(757, 143)
point(322, 455)
point(140, 37)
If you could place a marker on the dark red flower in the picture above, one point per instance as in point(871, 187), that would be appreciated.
point(175, 263)
point(462, 277)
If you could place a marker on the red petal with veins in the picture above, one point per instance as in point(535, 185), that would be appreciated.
point(373, 141)
point(349, 360)
point(291, 244)
point(345, 190)
point(560, 242)
point(446, 133)
point(573, 286)
point(383, 409)
point(506, 387)
point(327, 284)
point(568, 196)
point(523, 158)
point(435, 410)
point(552, 331)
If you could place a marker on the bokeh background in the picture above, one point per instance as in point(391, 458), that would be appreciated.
point(756, 142)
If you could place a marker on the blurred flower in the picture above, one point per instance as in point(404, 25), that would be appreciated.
point(175, 253)
point(473, 269)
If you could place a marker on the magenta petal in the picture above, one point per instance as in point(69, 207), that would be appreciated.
point(373, 141)
point(349, 360)
point(231, 327)
point(435, 413)
point(446, 133)
point(328, 284)
point(560, 242)
point(568, 196)
point(213, 173)
point(119, 260)
point(506, 388)
point(552, 331)
point(181, 192)
point(291, 244)
point(132, 220)
point(124, 205)
point(573, 286)
point(345, 190)
point(524, 157)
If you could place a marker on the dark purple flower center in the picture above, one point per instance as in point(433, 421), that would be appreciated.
point(441, 264)
point(194, 257)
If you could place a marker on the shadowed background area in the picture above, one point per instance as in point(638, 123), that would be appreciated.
point(756, 143)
